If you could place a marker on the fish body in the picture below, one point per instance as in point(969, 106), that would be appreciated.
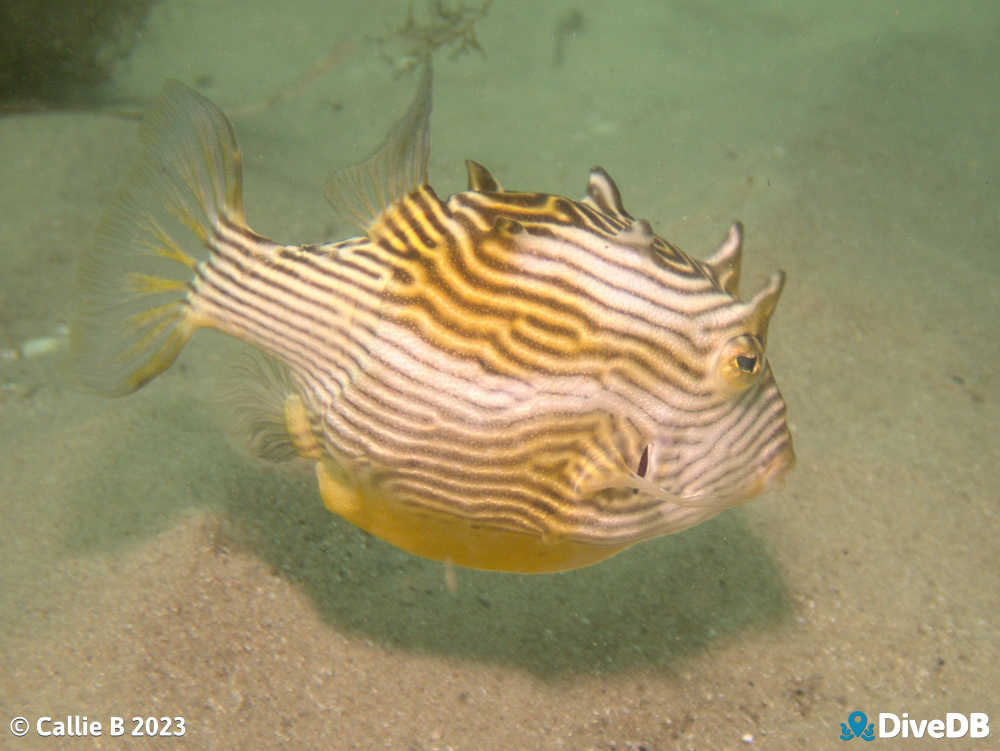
point(501, 380)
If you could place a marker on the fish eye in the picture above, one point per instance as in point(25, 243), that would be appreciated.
point(740, 362)
point(747, 363)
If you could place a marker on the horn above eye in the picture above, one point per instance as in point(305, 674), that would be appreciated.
point(725, 262)
point(763, 303)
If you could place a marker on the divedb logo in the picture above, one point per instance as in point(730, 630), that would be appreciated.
point(954, 725)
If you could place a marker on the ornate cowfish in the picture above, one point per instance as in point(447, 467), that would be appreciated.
point(501, 380)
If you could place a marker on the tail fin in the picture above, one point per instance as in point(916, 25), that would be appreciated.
point(133, 313)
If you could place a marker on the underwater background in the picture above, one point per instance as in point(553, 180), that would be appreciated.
point(150, 567)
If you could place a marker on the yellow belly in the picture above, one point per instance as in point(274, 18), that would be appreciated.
point(451, 539)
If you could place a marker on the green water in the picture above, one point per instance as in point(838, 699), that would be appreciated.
point(149, 567)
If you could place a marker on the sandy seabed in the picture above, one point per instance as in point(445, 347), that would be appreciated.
point(150, 568)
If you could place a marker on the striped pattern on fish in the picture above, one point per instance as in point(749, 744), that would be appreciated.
point(505, 380)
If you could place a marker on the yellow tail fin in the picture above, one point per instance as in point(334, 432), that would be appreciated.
point(133, 313)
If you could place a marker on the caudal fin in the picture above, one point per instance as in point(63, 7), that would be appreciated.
point(133, 312)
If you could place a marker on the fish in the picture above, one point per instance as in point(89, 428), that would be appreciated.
point(504, 380)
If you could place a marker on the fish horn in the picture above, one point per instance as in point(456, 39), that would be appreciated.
point(763, 303)
point(725, 262)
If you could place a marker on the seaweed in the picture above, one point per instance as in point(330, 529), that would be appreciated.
point(444, 27)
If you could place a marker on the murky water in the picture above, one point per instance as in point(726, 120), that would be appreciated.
point(150, 568)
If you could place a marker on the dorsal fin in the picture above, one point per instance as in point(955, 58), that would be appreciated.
point(603, 194)
point(361, 192)
point(481, 179)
